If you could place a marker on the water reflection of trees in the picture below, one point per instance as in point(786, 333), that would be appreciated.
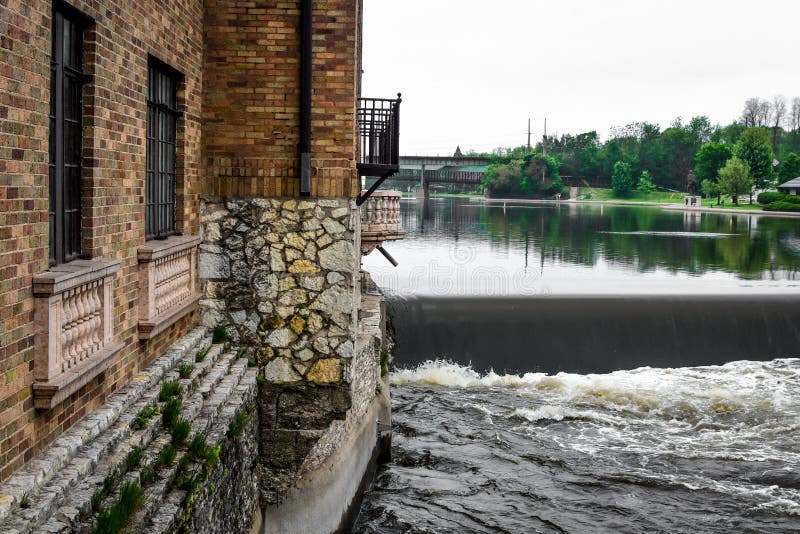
point(760, 247)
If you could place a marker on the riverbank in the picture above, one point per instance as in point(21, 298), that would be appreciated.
point(664, 206)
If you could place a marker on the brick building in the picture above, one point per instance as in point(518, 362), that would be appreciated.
point(74, 151)
point(158, 170)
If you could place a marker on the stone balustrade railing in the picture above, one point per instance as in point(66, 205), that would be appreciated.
point(380, 219)
point(74, 330)
point(168, 281)
point(82, 332)
point(382, 208)
point(173, 281)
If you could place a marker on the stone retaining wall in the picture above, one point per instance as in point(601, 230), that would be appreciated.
point(282, 276)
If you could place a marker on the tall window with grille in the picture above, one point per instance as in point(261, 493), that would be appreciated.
point(162, 125)
point(66, 114)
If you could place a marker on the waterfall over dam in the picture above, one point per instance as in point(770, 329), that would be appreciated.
point(594, 333)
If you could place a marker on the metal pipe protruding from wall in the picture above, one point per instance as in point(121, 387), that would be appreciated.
point(387, 255)
point(306, 18)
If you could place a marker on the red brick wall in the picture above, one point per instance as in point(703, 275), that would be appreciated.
point(117, 48)
point(251, 97)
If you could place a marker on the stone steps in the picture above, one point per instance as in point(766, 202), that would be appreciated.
point(222, 377)
point(154, 495)
point(162, 507)
point(85, 436)
point(144, 439)
point(158, 437)
point(30, 478)
point(82, 457)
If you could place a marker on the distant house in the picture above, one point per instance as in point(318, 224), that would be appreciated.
point(791, 187)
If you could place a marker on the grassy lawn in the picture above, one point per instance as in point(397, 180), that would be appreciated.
point(743, 205)
point(664, 197)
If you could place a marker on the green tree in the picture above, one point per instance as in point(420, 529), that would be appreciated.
point(645, 184)
point(710, 159)
point(729, 134)
point(610, 154)
point(755, 148)
point(790, 167)
point(621, 180)
point(735, 178)
point(710, 188)
point(679, 145)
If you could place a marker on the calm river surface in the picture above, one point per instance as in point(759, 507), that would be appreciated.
point(570, 369)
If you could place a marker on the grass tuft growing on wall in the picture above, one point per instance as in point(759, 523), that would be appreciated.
point(180, 431)
point(172, 410)
point(185, 370)
point(169, 389)
point(114, 519)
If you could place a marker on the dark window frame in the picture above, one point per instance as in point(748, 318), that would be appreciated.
point(161, 182)
point(67, 81)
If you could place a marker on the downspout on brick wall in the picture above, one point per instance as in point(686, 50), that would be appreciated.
point(305, 95)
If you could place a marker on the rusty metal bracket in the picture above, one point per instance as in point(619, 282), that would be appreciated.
point(360, 199)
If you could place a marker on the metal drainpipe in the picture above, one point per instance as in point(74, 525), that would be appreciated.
point(305, 95)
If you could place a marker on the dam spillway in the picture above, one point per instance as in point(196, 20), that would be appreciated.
point(594, 333)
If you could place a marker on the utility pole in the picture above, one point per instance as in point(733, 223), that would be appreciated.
point(529, 135)
point(544, 147)
point(544, 138)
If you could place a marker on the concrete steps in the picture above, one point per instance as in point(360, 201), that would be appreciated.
point(55, 492)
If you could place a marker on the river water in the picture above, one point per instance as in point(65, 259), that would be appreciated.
point(590, 369)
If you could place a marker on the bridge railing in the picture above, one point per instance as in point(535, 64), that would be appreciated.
point(379, 135)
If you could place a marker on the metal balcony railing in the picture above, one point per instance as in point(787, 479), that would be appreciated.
point(379, 136)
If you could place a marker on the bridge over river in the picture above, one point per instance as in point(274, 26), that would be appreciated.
point(462, 173)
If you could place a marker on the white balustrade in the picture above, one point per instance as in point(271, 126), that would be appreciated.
point(380, 219)
point(167, 281)
point(382, 208)
point(73, 327)
point(82, 323)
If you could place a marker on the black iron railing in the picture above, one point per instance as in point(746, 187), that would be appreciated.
point(379, 135)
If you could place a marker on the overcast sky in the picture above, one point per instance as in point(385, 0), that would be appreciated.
point(472, 72)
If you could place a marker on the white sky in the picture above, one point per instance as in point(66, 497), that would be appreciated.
point(472, 72)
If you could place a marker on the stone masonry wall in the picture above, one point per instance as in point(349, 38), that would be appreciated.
point(117, 45)
point(282, 276)
point(279, 273)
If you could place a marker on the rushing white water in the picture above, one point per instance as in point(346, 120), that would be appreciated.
point(722, 439)
point(711, 410)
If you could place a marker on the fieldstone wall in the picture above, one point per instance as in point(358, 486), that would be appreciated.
point(282, 276)
point(228, 500)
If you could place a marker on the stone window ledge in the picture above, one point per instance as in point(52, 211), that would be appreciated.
point(61, 278)
point(158, 248)
point(167, 281)
point(73, 328)
point(49, 394)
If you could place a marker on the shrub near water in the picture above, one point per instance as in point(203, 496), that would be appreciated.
point(783, 205)
point(770, 196)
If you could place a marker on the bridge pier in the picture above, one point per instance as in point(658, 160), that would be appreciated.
point(426, 189)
